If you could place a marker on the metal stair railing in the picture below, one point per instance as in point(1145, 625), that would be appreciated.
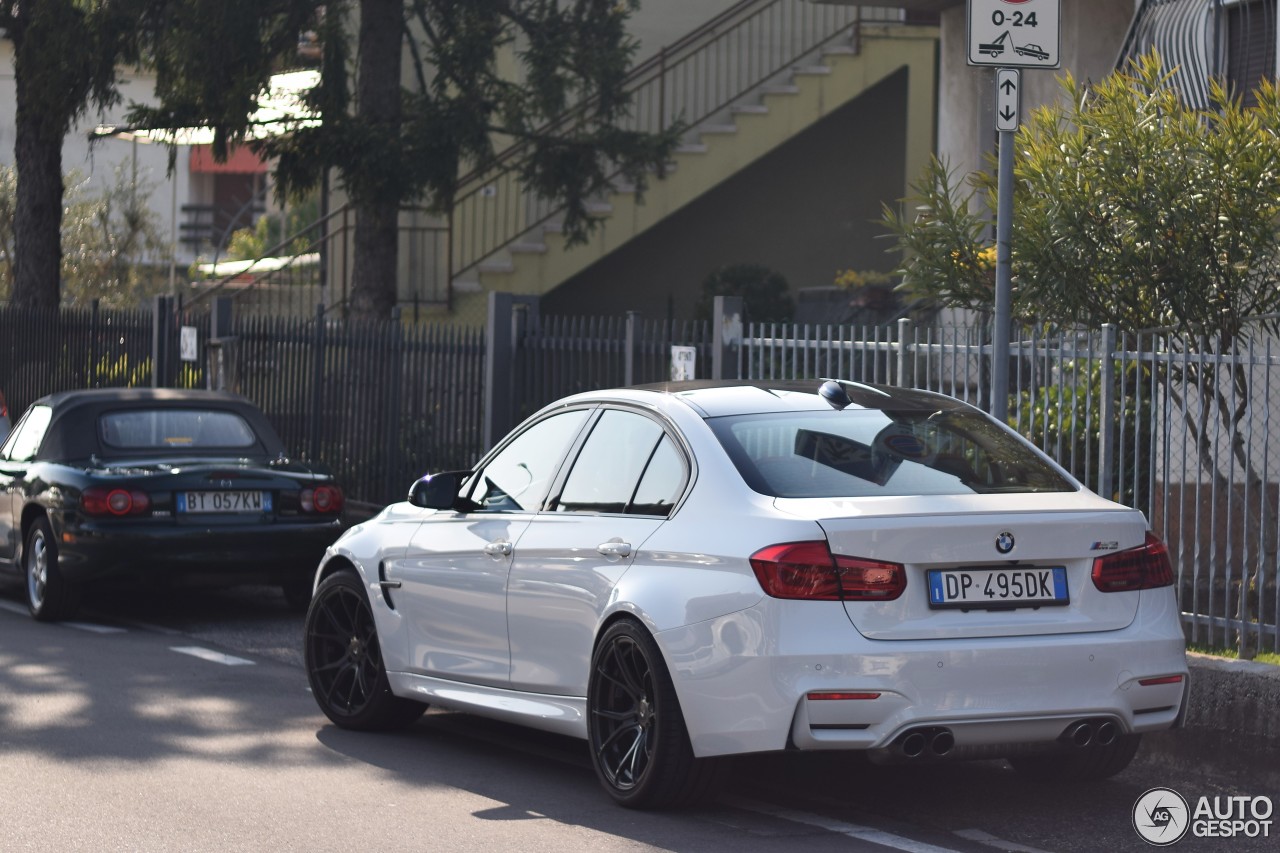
point(288, 278)
point(712, 68)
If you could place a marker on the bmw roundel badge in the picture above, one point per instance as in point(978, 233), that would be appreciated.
point(1004, 542)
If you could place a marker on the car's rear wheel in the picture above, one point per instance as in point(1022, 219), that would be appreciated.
point(1087, 764)
point(344, 661)
point(638, 740)
point(50, 596)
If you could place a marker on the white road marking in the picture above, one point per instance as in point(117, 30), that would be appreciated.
point(95, 629)
point(998, 843)
point(211, 655)
point(14, 607)
point(853, 830)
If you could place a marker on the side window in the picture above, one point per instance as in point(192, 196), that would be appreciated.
point(25, 439)
point(662, 483)
point(518, 477)
point(613, 461)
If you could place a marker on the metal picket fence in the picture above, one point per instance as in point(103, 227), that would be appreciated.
point(45, 351)
point(381, 403)
point(1181, 433)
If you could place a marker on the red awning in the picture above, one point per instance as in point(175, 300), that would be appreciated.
point(240, 161)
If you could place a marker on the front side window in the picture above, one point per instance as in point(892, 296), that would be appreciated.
point(188, 429)
point(874, 453)
point(519, 476)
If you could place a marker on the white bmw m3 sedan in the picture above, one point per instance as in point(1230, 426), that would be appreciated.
point(681, 573)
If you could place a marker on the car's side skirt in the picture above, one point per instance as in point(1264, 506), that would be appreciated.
point(565, 715)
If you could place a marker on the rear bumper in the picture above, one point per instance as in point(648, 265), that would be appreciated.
point(993, 695)
point(273, 552)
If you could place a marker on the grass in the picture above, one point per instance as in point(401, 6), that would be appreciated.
point(1263, 657)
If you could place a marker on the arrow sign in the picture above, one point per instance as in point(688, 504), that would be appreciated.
point(1008, 84)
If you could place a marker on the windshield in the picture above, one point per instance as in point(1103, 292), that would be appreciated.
point(866, 453)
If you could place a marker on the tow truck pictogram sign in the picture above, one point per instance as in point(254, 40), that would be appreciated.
point(1015, 33)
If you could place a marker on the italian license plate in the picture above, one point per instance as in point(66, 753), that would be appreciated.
point(1015, 586)
point(224, 501)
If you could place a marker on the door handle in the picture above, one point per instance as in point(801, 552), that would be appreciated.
point(615, 549)
point(498, 549)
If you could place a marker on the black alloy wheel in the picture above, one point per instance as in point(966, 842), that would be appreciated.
point(638, 740)
point(344, 661)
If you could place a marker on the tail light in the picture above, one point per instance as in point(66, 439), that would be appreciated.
point(1146, 567)
point(808, 570)
point(324, 500)
point(99, 500)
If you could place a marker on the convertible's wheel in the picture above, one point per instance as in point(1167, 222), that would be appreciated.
point(1091, 763)
point(344, 661)
point(50, 597)
point(638, 740)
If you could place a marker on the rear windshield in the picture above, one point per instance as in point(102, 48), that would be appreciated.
point(865, 453)
point(141, 429)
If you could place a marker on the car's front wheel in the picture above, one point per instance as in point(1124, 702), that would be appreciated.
point(1087, 764)
point(636, 731)
point(344, 661)
point(50, 596)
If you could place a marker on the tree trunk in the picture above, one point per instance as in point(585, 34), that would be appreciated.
point(379, 109)
point(37, 153)
point(373, 292)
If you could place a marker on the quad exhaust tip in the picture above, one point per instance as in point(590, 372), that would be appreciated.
point(934, 741)
point(1085, 732)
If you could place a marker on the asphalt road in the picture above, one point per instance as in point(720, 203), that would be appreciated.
point(183, 722)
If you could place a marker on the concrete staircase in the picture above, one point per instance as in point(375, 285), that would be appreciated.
point(539, 260)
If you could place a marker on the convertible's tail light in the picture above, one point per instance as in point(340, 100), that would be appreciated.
point(99, 500)
point(809, 570)
point(323, 500)
point(1145, 567)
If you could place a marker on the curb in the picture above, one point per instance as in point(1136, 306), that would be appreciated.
point(1232, 725)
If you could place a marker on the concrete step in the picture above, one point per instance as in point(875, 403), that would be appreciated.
point(811, 71)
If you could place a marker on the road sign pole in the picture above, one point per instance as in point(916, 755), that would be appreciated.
point(1009, 34)
point(1004, 281)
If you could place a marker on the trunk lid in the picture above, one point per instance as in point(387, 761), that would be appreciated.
point(205, 490)
point(1051, 540)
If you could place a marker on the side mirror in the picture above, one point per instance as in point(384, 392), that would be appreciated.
point(437, 491)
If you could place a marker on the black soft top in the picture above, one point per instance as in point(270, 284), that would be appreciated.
point(73, 433)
